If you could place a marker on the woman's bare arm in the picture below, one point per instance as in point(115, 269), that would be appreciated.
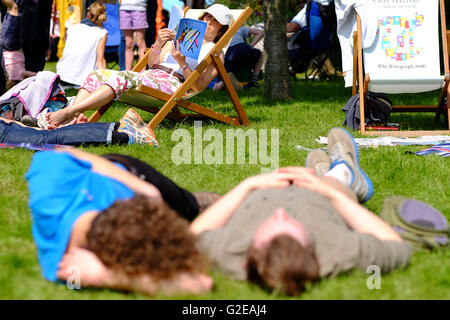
point(85, 268)
point(101, 62)
point(205, 78)
point(159, 48)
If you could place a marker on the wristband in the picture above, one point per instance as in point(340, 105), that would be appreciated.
point(185, 67)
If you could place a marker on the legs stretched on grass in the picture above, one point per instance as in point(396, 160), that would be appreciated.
point(342, 164)
point(84, 102)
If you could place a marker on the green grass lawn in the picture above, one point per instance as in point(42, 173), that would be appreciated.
point(315, 108)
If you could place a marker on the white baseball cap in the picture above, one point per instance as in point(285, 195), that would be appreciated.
point(221, 13)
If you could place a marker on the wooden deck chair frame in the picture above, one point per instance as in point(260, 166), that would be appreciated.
point(172, 102)
point(363, 84)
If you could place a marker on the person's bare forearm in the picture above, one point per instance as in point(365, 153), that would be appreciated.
point(159, 49)
point(361, 219)
point(203, 80)
point(256, 40)
point(142, 284)
point(179, 283)
point(292, 27)
point(154, 56)
point(101, 63)
point(218, 214)
point(259, 34)
point(356, 216)
point(94, 273)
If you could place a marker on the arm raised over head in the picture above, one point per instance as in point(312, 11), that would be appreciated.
point(356, 216)
point(107, 168)
point(258, 33)
point(220, 212)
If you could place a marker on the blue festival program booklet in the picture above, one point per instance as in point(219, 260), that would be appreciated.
point(189, 32)
point(190, 35)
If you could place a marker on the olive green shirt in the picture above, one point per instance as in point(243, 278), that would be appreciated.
point(338, 248)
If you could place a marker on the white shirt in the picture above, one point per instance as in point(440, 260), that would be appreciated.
point(346, 23)
point(133, 5)
point(80, 53)
point(300, 18)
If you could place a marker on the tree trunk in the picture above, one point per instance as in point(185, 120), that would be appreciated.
point(276, 79)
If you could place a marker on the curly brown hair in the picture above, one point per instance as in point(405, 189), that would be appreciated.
point(283, 263)
point(144, 236)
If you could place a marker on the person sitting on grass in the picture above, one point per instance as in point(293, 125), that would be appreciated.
point(168, 69)
point(131, 129)
point(293, 226)
point(243, 56)
point(120, 222)
point(84, 49)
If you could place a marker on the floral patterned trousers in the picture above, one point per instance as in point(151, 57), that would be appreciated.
point(121, 81)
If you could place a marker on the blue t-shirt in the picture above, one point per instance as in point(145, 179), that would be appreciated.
point(240, 37)
point(61, 189)
point(167, 4)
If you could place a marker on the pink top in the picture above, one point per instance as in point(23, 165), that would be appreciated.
point(14, 64)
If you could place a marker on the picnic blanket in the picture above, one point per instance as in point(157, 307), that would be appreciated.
point(395, 141)
point(440, 144)
point(442, 150)
point(33, 92)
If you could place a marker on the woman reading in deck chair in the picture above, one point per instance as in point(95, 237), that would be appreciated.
point(168, 69)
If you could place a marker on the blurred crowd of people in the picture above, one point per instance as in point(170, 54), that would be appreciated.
point(80, 44)
point(78, 34)
point(26, 48)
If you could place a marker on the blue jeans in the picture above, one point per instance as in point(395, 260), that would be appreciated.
point(75, 135)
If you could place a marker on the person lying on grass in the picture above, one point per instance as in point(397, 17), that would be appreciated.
point(279, 230)
point(141, 243)
point(168, 69)
point(284, 229)
point(131, 129)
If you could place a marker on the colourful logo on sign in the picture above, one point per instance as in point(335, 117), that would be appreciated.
point(397, 36)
